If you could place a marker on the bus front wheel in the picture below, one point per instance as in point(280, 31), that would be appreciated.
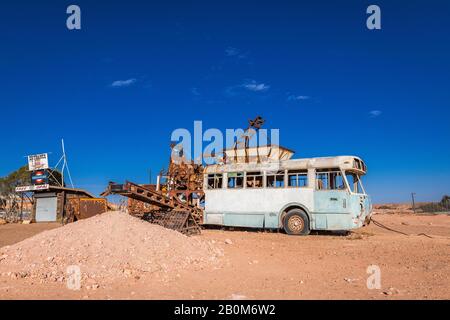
point(296, 222)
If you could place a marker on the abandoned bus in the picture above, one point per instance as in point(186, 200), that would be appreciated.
point(297, 195)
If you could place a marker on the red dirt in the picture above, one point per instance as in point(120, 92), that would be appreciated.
point(12, 233)
point(264, 265)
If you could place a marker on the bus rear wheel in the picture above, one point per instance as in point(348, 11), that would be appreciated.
point(296, 222)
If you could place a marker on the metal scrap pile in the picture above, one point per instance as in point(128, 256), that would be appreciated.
point(176, 200)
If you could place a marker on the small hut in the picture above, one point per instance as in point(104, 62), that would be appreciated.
point(60, 204)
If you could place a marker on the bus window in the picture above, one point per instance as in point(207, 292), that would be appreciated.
point(235, 180)
point(214, 181)
point(354, 182)
point(298, 178)
point(275, 180)
point(254, 180)
point(330, 179)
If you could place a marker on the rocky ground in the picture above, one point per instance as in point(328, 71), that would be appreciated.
point(121, 257)
point(106, 249)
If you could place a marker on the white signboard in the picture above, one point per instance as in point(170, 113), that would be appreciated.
point(32, 188)
point(38, 162)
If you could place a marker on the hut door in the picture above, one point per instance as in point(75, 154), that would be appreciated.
point(46, 209)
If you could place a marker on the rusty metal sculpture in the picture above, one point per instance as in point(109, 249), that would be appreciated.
point(172, 213)
point(175, 203)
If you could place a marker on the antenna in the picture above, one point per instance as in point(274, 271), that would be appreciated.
point(65, 165)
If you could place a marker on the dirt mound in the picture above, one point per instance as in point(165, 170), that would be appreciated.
point(106, 247)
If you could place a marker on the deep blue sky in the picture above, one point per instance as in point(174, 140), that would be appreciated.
point(328, 83)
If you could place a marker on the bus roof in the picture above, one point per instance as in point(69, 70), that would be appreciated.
point(349, 163)
point(270, 152)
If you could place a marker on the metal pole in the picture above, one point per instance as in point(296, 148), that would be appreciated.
point(64, 162)
point(158, 179)
point(21, 207)
point(413, 202)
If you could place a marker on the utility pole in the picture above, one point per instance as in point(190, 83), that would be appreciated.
point(413, 202)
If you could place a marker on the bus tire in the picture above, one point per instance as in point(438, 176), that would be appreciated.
point(296, 222)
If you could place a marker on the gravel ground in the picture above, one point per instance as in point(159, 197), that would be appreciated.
point(254, 265)
point(106, 248)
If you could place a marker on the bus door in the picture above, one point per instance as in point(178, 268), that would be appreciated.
point(331, 195)
point(360, 201)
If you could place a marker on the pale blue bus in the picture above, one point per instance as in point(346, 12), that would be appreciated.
point(297, 195)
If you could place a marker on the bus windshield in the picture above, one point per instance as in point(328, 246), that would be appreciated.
point(354, 182)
